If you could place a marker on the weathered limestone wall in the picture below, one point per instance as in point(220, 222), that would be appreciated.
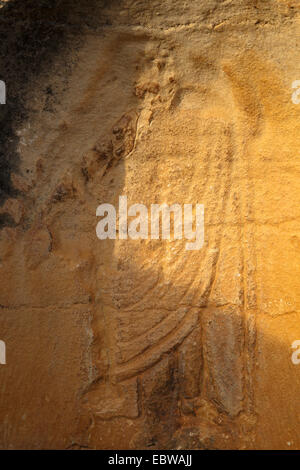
point(141, 343)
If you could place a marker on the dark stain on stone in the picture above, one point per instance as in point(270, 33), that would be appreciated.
point(32, 34)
